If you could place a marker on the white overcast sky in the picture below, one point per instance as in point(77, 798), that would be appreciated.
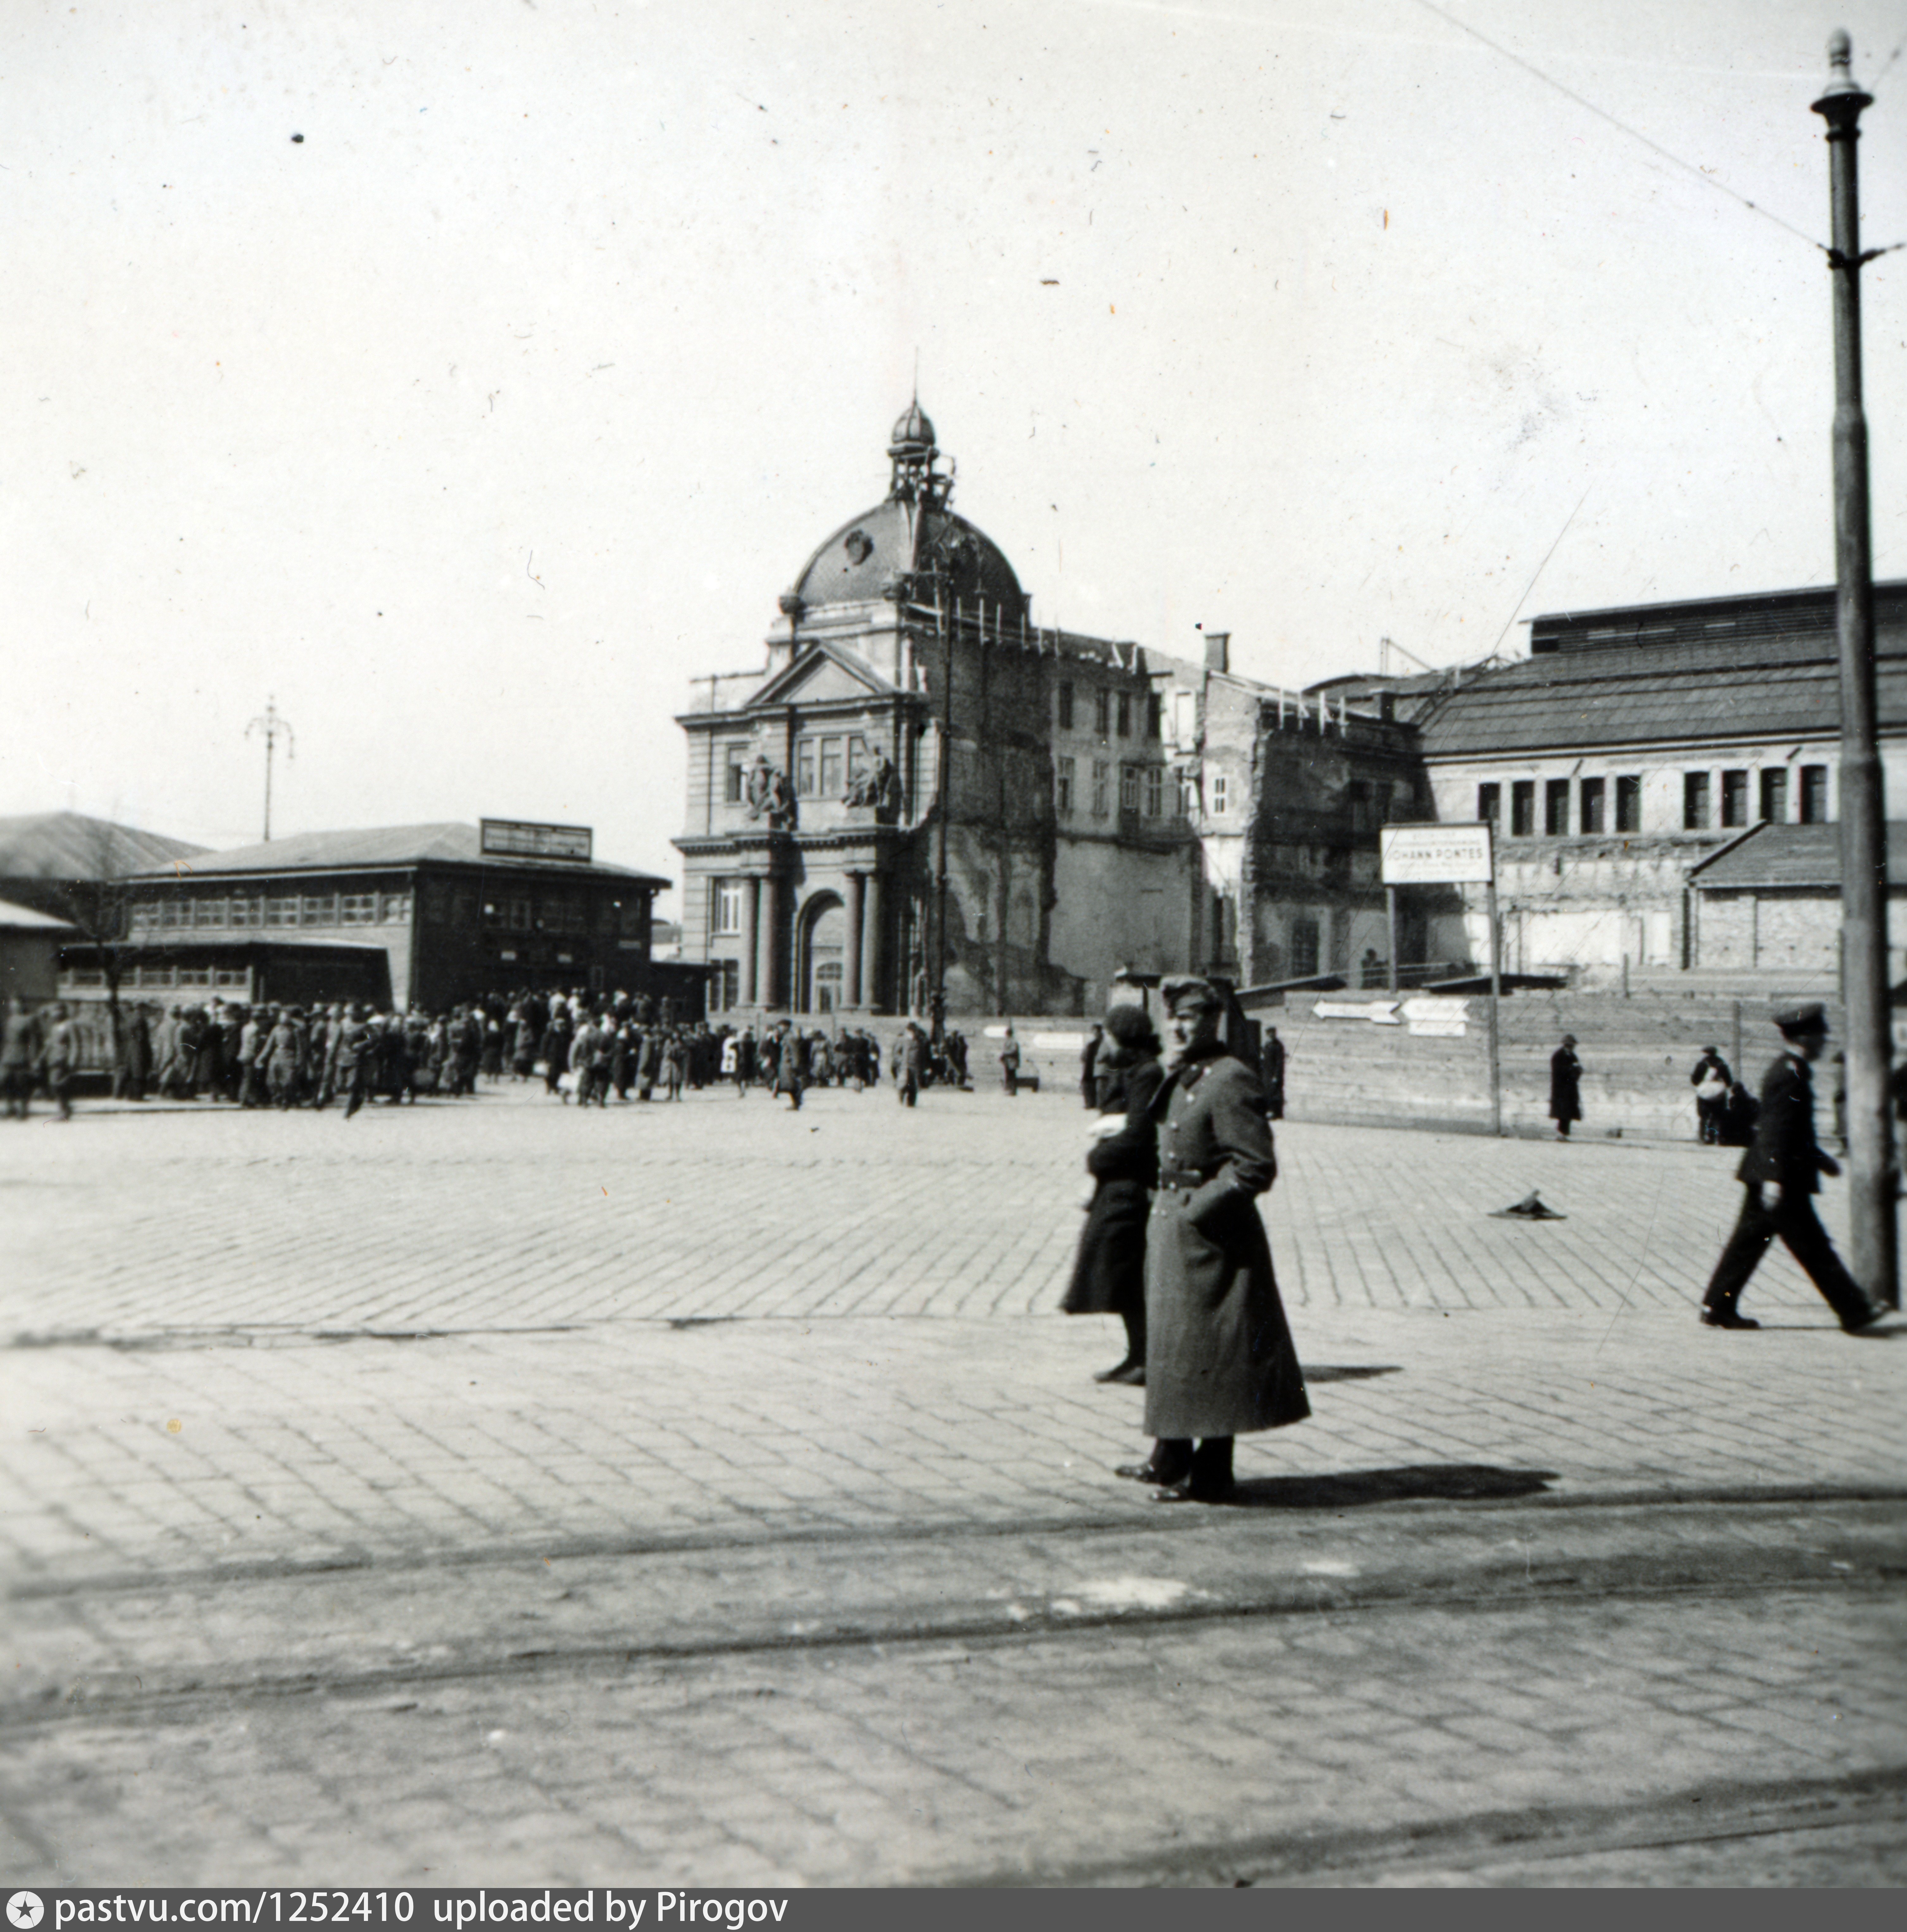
point(473, 426)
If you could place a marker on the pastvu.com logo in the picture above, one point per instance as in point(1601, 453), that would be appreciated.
point(24, 1910)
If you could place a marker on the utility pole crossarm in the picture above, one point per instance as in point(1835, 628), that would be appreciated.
point(272, 725)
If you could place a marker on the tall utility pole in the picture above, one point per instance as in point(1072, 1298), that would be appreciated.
point(272, 724)
point(1873, 1246)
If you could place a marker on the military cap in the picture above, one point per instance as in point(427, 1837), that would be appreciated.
point(1187, 989)
point(1802, 1016)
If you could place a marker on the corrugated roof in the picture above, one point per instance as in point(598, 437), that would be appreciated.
point(1789, 855)
point(1762, 688)
point(384, 845)
point(68, 845)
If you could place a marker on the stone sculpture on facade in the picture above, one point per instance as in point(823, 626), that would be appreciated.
point(770, 795)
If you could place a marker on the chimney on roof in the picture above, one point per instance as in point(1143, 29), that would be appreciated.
point(1218, 650)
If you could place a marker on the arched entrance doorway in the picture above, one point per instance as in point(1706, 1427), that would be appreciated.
point(823, 954)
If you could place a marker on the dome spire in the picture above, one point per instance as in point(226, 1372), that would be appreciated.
point(913, 452)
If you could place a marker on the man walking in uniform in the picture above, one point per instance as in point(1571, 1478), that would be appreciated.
point(1780, 1173)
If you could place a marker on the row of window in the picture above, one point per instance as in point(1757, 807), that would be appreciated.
point(1592, 802)
point(546, 913)
point(1115, 712)
point(1141, 789)
point(181, 913)
point(152, 978)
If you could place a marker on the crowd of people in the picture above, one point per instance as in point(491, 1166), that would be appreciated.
point(578, 1047)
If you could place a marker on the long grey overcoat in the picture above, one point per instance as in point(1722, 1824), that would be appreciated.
point(1218, 1355)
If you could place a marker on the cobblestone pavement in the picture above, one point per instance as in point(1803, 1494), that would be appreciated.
point(710, 1493)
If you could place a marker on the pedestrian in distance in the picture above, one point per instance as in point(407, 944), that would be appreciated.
point(19, 1055)
point(1009, 1062)
point(1271, 1074)
point(787, 1046)
point(1109, 1271)
point(1220, 1360)
point(1711, 1081)
point(1565, 1086)
point(1780, 1174)
point(909, 1063)
point(1089, 1055)
point(61, 1058)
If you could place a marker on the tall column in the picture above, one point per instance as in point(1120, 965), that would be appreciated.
point(856, 905)
point(870, 913)
point(751, 937)
point(767, 942)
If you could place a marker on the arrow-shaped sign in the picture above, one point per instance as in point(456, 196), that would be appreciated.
point(1379, 1012)
point(1437, 1006)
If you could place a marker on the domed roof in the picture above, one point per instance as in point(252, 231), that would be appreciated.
point(913, 534)
point(913, 433)
point(862, 558)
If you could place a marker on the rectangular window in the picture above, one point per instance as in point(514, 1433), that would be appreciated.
point(1101, 773)
point(195, 975)
point(1102, 712)
point(176, 913)
point(1774, 796)
point(1126, 714)
point(735, 774)
point(281, 912)
point(1589, 807)
point(805, 768)
point(320, 909)
point(1152, 719)
point(1063, 794)
point(1065, 707)
point(1556, 808)
point(730, 989)
point(1735, 799)
point(1128, 787)
point(728, 908)
point(1221, 794)
point(208, 912)
point(1629, 804)
point(146, 916)
point(1522, 809)
point(1814, 794)
point(1695, 801)
point(358, 909)
point(1155, 791)
point(832, 779)
point(1304, 948)
point(1489, 804)
point(1187, 794)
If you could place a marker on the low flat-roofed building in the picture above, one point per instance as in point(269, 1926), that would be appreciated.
point(427, 916)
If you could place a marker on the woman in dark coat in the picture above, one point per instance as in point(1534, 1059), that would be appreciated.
point(1565, 1086)
point(1109, 1274)
point(1220, 1361)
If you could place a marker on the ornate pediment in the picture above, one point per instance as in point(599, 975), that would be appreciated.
point(823, 675)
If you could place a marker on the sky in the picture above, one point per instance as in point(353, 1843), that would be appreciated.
point(464, 381)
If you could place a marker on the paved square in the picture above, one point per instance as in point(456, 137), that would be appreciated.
point(293, 1400)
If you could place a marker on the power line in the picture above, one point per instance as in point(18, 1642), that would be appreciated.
point(1635, 133)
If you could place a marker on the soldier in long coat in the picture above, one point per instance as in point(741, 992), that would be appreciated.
point(1109, 1272)
point(1565, 1086)
point(1780, 1175)
point(1219, 1362)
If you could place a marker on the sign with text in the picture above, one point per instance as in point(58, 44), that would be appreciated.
point(521, 838)
point(1435, 855)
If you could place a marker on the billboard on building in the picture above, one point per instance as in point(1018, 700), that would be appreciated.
point(522, 838)
point(1435, 855)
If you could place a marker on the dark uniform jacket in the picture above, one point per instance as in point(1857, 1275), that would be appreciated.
point(1220, 1360)
point(1784, 1148)
point(1109, 1272)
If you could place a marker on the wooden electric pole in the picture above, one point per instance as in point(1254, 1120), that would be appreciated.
point(1872, 1246)
point(270, 724)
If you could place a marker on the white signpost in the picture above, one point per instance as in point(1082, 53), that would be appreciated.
point(1446, 855)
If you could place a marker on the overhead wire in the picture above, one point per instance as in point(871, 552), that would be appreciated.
point(1635, 133)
